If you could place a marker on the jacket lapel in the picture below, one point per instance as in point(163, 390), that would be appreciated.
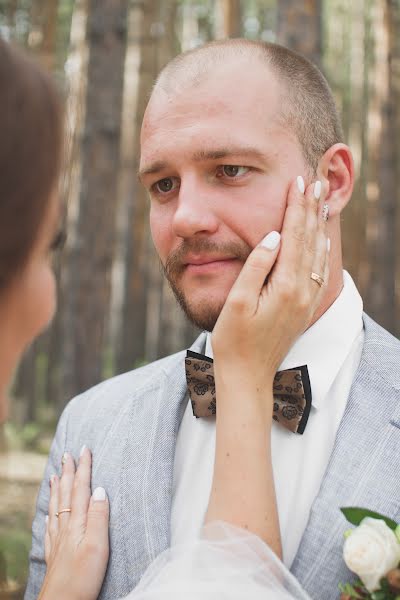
point(147, 470)
point(362, 471)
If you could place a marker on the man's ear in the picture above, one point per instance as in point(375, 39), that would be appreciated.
point(336, 167)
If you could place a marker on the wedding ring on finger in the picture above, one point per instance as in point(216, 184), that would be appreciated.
point(64, 510)
point(317, 278)
point(325, 212)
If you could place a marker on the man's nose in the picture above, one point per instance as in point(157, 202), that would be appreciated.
point(194, 213)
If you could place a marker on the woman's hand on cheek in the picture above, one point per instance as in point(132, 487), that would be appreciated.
point(76, 542)
point(274, 298)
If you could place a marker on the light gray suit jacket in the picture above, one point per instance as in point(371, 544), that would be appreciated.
point(131, 422)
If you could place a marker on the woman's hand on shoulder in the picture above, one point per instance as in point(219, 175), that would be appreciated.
point(76, 542)
point(274, 297)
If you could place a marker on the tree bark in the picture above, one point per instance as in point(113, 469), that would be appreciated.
point(299, 27)
point(61, 380)
point(10, 14)
point(92, 264)
point(232, 18)
point(360, 104)
point(380, 299)
point(132, 346)
point(42, 37)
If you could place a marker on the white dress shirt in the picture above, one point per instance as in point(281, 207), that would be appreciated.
point(331, 349)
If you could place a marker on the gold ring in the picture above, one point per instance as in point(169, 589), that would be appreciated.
point(317, 278)
point(64, 510)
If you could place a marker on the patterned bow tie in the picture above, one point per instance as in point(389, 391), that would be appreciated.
point(292, 392)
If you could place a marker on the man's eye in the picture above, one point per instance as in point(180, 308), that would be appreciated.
point(232, 171)
point(165, 185)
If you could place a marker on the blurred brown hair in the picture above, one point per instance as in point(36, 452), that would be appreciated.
point(30, 155)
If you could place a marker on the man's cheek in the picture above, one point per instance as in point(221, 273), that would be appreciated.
point(160, 241)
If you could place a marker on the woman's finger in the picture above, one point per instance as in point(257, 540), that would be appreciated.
point(318, 280)
point(52, 525)
point(65, 494)
point(312, 197)
point(293, 229)
point(246, 290)
point(81, 490)
point(47, 542)
point(97, 522)
point(322, 246)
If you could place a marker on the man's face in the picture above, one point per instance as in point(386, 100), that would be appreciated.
point(217, 165)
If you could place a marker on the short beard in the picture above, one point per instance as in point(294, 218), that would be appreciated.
point(205, 316)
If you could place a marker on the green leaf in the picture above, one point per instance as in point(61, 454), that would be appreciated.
point(397, 532)
point(384, 585)
point(379, 595)
point(355, 515)
point(350, 590)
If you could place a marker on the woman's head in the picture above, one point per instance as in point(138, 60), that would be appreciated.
point(30, 155)
point(30, 148)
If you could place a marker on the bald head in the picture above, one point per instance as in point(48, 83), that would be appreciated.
point(307, 106)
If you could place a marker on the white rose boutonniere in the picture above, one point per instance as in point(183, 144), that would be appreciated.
point(372, 552)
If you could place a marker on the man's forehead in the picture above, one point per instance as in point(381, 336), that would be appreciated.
point(232, 85)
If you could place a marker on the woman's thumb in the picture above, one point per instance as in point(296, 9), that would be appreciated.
point(258, 265)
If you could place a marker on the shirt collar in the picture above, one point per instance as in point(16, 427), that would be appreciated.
point(326, 344)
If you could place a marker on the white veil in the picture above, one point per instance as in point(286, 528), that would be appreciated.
point(225, 563)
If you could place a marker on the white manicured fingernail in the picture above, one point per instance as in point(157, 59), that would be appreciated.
point(82, 450)
point(46, 519)
point(271, 241)
point(99, 494)
point(317, 190)
point(328, 244)
point(300, 184)
point(64, 458)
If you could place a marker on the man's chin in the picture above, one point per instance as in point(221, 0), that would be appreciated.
point(202, 320)
point(203, 313)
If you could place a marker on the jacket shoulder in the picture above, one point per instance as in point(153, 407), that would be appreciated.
point(382, 352)
point(120, 391)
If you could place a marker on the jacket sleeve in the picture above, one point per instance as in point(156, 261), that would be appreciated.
point(37, 565)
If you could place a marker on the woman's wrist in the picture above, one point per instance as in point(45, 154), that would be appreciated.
point(243, 395)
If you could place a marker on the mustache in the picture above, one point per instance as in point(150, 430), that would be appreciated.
point(175, 263)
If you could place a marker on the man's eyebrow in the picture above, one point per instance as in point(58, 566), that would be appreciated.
point(153, 168)
point(214, 154)
point(218, 153)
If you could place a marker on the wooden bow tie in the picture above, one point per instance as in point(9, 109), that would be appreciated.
point(292, 392)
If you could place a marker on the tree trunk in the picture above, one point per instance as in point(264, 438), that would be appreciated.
point(190, 35)
point(10, 14)
point(300, 28)
point(106, 31)
point(232, 18)
point(394, 45)
point(66, 317)
point(132, 346)
point(359, 106)
point(42, 37)
point(127, 180)
point(380, 300)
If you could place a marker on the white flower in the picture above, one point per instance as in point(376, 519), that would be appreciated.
point(371, 551)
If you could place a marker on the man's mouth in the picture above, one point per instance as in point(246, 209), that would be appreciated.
point(207, 264)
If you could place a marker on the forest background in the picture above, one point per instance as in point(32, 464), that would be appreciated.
point(115, 309)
